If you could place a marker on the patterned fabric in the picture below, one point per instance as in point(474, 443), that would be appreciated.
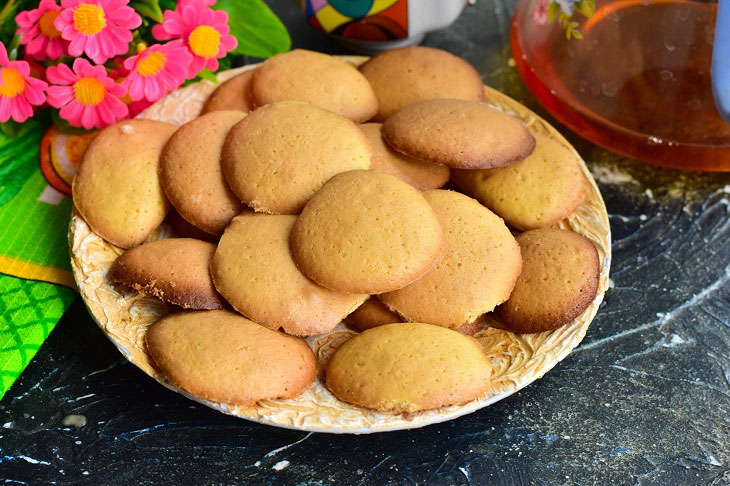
point(36, 283)
point(28, 312)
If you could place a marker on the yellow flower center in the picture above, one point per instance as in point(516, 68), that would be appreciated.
point(12, 83)
point(89, 91)
point(89, 19)
point(152, 64)
point(46, 24)
point(204, 41)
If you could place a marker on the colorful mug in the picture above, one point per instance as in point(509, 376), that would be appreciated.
point(370, 26)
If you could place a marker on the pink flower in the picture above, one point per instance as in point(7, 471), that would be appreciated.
point(18, 90)
point(87, 96)
point(156, 70)
point(540, 12)
point(37, 32)
point(203, 30)
point(98, 28)
point(119, 75)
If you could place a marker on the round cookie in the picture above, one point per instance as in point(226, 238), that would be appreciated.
point(404, 76)
point(176, 270)
point(191, 174)
point(232, 94)
point(559, 281)
point(421, 175)
point(459, 134)
point(253, 269)
point(277, 157)
point(409, 367)
point(481, 265)
point(116, 188)
point(536, 192)
point(182, 229)
point(471, 328)
point(324, 81)
point(366, 232)
point(372, 313)
point(222, 356)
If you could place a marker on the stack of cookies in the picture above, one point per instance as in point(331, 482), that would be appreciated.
point(310, 192)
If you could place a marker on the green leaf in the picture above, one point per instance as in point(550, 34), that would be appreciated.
point(586, 8)
point(7, 10)
point(209, 75)
point(564, 19)
point(553, 11)
point(258, 30)
point(148, 8)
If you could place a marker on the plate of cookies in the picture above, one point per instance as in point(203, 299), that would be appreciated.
point(340, 244)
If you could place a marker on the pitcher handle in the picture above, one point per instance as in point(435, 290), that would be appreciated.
point(721, 60)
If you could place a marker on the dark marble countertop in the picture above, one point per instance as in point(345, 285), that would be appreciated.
point(644, 399)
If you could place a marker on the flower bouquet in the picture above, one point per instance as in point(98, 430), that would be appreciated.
point(95, 62)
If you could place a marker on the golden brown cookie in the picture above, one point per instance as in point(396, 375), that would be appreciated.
point(536, 192)
point(409, 367)
point(116, 188)
point(191, 174)
point(471, 328)
point(559, 281)
point(481, 265)
point(404, 76)
point(181, 228)
point(277, 157)
point(176, 270)
point(254, 271)
point(372, 313)
point(232, 94)
point(222, 356)
point(459, 134)
point(324, 81)
point(366, 232)
point(421, 175)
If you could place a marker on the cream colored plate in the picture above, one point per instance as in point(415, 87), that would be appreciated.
point(518, 360)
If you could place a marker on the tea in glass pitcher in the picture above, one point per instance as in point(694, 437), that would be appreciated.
point(638, 81)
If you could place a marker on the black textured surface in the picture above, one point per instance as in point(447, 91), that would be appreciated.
point(645, 399)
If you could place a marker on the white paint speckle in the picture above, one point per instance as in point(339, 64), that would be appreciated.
point(127, 129)
point(612, 175)
point(649, 194)
point(712, 459)
point(643, 217)
point(33, 461)
point(611, 283)
point(280, 465)
point(675, 340)
point(74, 421)
point(8, 425)
point(257, 463)
point(85, 473)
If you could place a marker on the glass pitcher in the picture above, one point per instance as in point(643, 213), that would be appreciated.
point(638, 82)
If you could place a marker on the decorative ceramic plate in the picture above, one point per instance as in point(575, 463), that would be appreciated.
point(518, 360)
